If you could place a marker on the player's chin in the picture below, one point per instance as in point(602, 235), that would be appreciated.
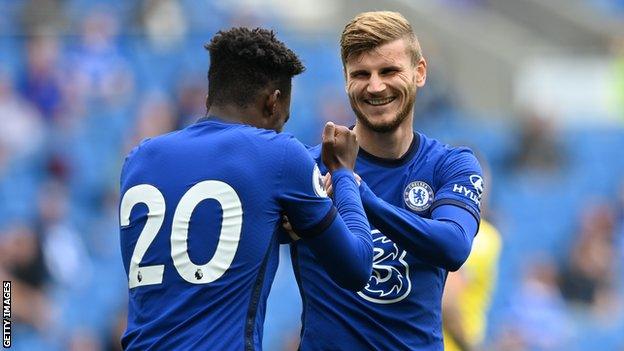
point(384, 118)
point(381, 124)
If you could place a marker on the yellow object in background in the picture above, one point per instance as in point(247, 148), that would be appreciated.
point(472, 287)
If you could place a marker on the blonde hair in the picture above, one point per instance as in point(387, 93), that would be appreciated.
point(369, 30)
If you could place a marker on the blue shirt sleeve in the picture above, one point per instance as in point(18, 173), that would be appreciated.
point(339, 238)
point(300, 191)
point(345, 248)
point(459, 182)
point(444, 240)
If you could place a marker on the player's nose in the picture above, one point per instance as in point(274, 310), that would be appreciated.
point(375, 84)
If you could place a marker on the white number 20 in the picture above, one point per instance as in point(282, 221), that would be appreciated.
point(189, 271)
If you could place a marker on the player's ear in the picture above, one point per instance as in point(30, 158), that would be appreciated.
point(207, 103)
point(271, 103)
point(421, 72)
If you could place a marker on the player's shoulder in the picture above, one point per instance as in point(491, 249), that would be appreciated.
point(267, 141)
point(282, 147)
point(152, 144)
point(139, 149)
point(439, 149)
point(280, 142)
point(445, 155)
point(253, 134)
point(139, 155)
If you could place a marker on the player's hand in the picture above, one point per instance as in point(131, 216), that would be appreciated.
point(329, 186)
point(288, 228)
point(340, 147)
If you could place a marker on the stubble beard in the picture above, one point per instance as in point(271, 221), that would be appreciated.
point(389, 126)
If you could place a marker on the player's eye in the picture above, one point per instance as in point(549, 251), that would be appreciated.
point(359, 74)
point(389, 71)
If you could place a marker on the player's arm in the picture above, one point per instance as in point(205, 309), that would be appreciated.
point(341, 240)
point(345, 247)
point(444, 240)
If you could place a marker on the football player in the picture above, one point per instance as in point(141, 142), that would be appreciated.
point(200, 207)
point(421, 197)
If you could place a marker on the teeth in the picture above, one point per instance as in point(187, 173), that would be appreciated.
point(377, 102)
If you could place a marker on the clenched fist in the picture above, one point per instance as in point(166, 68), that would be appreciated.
point(340, 147)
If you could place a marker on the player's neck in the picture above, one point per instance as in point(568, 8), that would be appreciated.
point(232, 113)
point(391, 145)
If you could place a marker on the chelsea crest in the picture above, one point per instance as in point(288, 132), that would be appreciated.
point(418, 196)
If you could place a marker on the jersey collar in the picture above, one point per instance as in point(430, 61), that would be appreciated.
point(393, 162)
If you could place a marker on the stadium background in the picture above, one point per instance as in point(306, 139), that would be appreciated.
point(537, 87)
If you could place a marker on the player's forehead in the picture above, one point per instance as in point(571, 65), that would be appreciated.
point(394, 53)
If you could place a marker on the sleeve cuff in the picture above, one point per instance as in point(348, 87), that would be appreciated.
point(342, 172)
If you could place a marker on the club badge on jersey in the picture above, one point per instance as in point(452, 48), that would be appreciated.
point(418, 196)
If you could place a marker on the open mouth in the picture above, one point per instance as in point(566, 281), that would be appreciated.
point(380, 101)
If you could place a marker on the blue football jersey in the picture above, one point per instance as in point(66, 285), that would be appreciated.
point(199, 212)
point(400, 307)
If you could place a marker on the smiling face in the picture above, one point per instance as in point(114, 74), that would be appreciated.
point(382, 84)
